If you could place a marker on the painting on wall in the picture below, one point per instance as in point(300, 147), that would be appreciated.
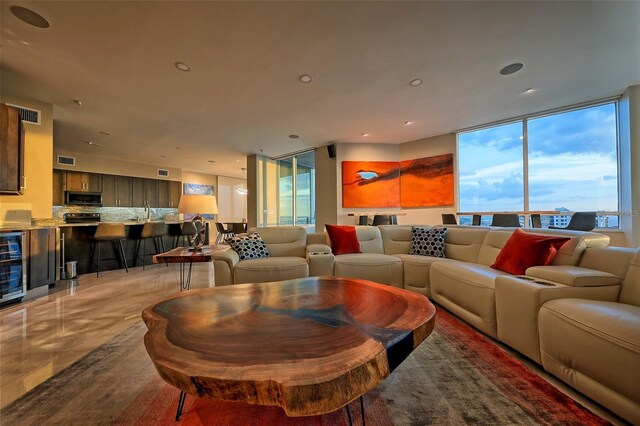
point(370, 184)
point(427, 182)
point(198, 189)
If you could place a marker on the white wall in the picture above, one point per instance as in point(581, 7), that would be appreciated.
point(232, 203)
point(630, 168)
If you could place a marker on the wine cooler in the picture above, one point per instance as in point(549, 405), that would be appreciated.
point(13, 266)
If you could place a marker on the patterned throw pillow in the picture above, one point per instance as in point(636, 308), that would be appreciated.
point(427, 241)
point(250, 246)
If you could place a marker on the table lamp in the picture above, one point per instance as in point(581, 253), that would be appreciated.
point(198, 205)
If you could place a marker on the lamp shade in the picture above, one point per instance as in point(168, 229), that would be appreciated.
point(198, 204)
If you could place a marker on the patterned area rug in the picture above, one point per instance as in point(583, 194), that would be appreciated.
point(457, 376)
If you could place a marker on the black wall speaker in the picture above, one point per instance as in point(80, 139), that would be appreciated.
point(331, 150)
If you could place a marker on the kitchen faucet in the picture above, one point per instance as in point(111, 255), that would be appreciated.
point(147, 210)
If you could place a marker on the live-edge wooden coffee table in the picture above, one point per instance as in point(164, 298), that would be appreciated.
point(310, 346)
point(184, 256)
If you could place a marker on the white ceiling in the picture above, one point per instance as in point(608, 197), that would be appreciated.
point(242, 94)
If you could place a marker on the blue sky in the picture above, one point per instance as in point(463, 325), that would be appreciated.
point(572, 163)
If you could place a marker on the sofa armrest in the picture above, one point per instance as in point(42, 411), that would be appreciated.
point(518, 302)
point(223, 264)
point(320, 260)
point(573, 276)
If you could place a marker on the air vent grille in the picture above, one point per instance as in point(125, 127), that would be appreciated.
point(163, 172)
point(67, 161)
point(28, 115)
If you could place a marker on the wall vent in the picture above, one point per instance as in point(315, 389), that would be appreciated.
point(163, 172)
point(28, 115)
point(67, 161)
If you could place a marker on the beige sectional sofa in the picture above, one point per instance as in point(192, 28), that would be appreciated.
point(571, 316)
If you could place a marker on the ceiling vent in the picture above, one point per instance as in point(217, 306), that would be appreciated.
point(28, 115)
point(163, 172)
point(66, 161)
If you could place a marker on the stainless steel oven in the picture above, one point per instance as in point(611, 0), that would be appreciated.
point(13, 266)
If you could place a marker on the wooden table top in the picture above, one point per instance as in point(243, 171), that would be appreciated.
point(184, 255)
point(309, 346)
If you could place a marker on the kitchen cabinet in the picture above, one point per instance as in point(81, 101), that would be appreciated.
point(42, 258)
point(12, 178)
point(169, 193)
point(59, 180)
point(83, 182)
point(144, 191)
point(116, 191)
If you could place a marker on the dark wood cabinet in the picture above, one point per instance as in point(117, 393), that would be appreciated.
point(42, 258)
point(83, 181)
point(116, 191)
point(59, 179)
point(12, 178)
point(169, 193)
point(144, 191)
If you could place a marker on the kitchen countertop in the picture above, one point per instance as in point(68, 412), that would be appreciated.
point(17, 227)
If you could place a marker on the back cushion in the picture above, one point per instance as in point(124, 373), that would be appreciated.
point(491, 246)
point(284, 240)
point(397, 238)
point(614, 260)
point(463, 242)
point(370, 239)
point(630, 292)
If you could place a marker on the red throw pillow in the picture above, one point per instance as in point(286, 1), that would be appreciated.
point(343, 239)
point(524, 250)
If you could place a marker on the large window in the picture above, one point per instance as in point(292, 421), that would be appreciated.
point(565, 161)
point(287, 191)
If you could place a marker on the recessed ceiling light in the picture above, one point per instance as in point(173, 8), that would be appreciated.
point(77, 102)
point(29, 16)
point(163, 156)
point(365, 134)
point(105, 133)
point(91, 143)
point(182, 66)
point(529, 90)
point(408, 123)
point(179, 148)
point(211, 161)
point(304, 78)
point(511, 68)
point(293, 136)
point(415, 82)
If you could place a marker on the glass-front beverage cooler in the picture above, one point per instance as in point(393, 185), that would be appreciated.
point(13, 262)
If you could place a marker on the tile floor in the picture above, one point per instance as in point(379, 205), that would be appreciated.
point(40, 337)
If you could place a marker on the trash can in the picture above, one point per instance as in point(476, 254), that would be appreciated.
point(71, 269)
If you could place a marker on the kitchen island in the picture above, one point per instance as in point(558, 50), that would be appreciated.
point(78, 245)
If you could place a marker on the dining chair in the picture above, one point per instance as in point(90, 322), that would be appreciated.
point(536, 221)
point(580, 221)
point(449, 219)
point(381, 219)
point(506, 219)
point(222, 232)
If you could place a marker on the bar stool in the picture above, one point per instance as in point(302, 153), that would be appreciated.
point(114, 232)
point(187, 231)
point(155, 230)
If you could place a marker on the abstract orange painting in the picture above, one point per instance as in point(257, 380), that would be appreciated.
point(427, 182)
point(370, 184)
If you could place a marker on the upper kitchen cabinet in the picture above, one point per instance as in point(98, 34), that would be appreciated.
point(12, 179)
point(84, 182)
point(144, 192)
point(116, 191)
point(59, 180)
point(169, 193)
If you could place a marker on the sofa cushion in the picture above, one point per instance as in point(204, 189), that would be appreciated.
point(416, 272)
point(381, 268)
point(344, 239)
point(594, 346)
point(370, 239)
point(573, 276)
point(250, 246)
point(524, 250)
point(467, 290)
point(427, 241)
point(270, 269)
point(284, 240)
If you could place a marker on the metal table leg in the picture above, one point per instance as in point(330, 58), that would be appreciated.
point(181, 398)
point(185, 276)
point(361, 412)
